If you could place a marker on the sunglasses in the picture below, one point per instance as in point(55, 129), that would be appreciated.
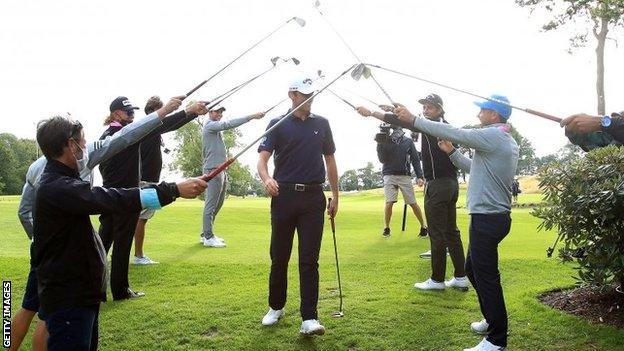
point(129, 112)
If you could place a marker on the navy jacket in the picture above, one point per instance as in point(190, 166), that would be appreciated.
point(396, 157)
point(68, 255)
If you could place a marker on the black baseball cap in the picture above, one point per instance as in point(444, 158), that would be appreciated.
point(433, 99)
point(220, 109)
point(122, 103)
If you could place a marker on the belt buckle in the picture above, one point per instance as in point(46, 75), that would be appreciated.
point(300, 187)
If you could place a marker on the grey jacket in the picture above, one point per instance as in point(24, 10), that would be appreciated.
point(213, 148)
point(99, 151)
point(491, 170)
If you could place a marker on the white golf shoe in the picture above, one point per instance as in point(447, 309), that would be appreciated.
point(460, 283)
point(430, 284)
point(312, 327)
point(485, 345)
point(213, 242)
point(143, 260)
point(480, 327)
point(272, 317)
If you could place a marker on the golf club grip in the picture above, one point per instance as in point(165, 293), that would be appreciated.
point(543, 115)
point(208, 177)
point(195, 89)
point(331, 217)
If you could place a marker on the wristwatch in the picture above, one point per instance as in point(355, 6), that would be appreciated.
point(605, 122)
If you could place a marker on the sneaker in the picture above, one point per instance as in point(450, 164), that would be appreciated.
point(423, 232)
point(425, 254)
point(480, 327)
point(386, 232)
point(430, 284)
point(272, 317)
point(311, 327)
point(485, 345)
point(460, 283)
point(218, 238)
point(143, 260)
point(201, 239)
point(213, 242)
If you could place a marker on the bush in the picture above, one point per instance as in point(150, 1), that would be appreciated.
point(584, 201)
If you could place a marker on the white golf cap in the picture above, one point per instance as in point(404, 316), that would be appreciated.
point(303, 85)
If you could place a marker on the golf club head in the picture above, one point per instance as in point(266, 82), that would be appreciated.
point(338, 314)
point(274, 60)
point(357, 72)
point(317, 4)
point(320, 74)
point(295, 60)
point(300, 21)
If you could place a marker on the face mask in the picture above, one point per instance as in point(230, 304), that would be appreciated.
point(81, 164)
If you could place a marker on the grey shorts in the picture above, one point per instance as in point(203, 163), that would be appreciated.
point(145, 213)
point(392, 184)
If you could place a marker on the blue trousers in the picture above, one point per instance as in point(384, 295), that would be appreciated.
point(73, 329)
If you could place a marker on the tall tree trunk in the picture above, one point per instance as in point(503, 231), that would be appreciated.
point(601, 37)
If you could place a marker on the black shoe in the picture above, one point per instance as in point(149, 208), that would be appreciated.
point(130, 294)
point(386, 232)
point(423, 232)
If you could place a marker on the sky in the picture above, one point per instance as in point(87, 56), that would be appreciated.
point(77, 56)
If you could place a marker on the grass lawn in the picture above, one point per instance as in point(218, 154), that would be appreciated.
point(213, 299)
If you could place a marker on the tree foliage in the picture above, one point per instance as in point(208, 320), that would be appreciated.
point(598, 15)
point(16, 155)
point(584, 201)
point(361, 179)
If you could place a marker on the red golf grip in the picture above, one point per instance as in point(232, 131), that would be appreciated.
point(216, 171)
point(543, 115)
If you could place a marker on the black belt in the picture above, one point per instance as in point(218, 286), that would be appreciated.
point(301, 187)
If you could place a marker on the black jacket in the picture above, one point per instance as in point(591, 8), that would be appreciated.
point(68, 255)
point(436, 163)
point(397, 156)
point(123, 170)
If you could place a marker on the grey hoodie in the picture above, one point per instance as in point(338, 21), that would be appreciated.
point(491, 170)
point(213, 148)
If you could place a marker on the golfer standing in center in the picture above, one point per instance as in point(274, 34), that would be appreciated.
point(300, 145)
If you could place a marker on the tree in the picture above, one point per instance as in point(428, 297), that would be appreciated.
point(369, 178)
point(188, 159)
point(349, 181)
point(584, 201)
point(599, 14)
point(16, 155)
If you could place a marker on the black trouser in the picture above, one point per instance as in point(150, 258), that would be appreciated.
point(303, 211)
point(118, 228)
point(73, 328)
point(440, 210)
point(486, 232)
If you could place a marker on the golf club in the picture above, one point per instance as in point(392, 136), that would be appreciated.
point(363, 97)
point(527, 110)
point(300, 21)
point(232, 91)
point(339, 313)
point(274, 106)
point(365, 71)
point(226, 164)
point(343, 100)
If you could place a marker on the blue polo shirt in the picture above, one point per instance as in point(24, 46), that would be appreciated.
point(298, 148)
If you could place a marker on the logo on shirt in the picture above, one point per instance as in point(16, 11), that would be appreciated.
point(315, 132)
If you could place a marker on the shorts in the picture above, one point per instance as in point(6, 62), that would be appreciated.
point(31, 295)
point(145, 213)
point(392, 184)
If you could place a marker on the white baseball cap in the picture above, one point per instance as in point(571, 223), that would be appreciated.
point(303, 85)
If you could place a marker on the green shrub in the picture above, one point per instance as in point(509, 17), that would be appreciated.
point(584, 201)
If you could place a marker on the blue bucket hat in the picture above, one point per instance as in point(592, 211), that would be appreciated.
point(503, 109)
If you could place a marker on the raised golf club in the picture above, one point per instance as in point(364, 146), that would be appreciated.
point(232, 91)
point(321, 76)
point(527, 110)
point(363, 97)
point(339, 313)
point(226, 164)
point(300, 21)
point(365, 71)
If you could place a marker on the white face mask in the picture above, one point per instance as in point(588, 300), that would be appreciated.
point(81, 164)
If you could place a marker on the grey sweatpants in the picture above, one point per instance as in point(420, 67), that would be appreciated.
point(215, 194)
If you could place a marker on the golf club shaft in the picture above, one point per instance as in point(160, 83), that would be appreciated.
point(274, 106)
point(404, 217)
point(238, 87)
point(363, 97)
point(237, 58)
point(224, 165)
point(343, 100)
point(527, 110)
point(333, 227)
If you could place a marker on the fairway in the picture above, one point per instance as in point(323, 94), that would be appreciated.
point(213, 299)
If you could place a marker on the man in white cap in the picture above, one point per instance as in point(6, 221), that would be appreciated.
point(492, 170)
point(303, 148)
point(214, 154)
